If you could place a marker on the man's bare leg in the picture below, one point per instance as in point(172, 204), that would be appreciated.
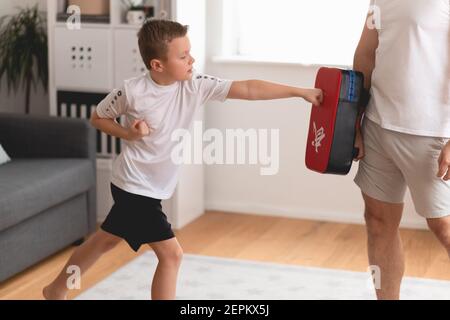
point(384, 245)
point(441, 228)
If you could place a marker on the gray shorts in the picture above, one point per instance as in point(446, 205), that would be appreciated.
point(394, 161)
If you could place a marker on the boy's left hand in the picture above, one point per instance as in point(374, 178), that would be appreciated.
point(444, 163)
point(315, 96)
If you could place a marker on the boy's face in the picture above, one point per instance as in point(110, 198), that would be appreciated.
point(179, 62)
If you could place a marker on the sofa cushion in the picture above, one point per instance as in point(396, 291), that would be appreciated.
point(30, 186)
point(4, 158)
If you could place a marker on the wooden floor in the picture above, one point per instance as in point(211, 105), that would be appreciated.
point(280, 240)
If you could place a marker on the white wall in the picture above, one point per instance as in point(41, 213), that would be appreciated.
point(294, 191)
point(15, 102)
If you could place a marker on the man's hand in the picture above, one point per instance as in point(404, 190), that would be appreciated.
point(444, 163)
point(138, 130)
point(359, 143)
point(315, 96)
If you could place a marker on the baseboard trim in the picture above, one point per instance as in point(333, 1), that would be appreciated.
point(301, 213)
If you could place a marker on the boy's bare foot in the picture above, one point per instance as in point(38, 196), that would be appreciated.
point(50, 294)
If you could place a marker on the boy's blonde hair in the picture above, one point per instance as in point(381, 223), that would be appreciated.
point(154, 37)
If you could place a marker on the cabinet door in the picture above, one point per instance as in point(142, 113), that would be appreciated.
point(127, 61)
point(83, 59)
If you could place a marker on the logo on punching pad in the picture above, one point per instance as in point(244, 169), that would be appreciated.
point(319, 136)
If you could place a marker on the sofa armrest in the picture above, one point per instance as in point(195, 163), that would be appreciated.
point(30, 136)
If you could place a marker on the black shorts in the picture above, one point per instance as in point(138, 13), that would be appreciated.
point(137, 219)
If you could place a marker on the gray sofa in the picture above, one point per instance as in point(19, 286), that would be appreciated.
point(47, 191)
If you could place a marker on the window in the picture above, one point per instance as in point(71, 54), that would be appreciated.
point(304, 31)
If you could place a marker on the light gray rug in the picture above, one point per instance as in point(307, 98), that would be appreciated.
point(211, 278)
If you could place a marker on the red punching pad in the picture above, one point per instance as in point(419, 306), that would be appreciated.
point(332, 129)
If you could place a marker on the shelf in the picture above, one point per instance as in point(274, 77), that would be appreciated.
point(114, 18)
point(86, 25)
point(63, 17)
point(123, 26)
point(128, 26)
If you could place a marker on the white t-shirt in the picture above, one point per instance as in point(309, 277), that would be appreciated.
point(411, 80)
point(145, 166)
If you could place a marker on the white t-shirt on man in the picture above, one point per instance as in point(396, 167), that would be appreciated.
point(145, 166)
point(411, 80)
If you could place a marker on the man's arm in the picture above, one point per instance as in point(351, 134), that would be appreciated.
point(263, 90)
point(364, 61)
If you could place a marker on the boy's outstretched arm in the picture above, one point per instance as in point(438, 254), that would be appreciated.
point(263, 90)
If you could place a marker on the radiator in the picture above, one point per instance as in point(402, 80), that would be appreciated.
point(81, 105)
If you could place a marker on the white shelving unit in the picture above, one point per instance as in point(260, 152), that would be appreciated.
point(86, 64)
point(113, 52)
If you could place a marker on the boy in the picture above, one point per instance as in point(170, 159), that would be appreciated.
point(155, 104)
